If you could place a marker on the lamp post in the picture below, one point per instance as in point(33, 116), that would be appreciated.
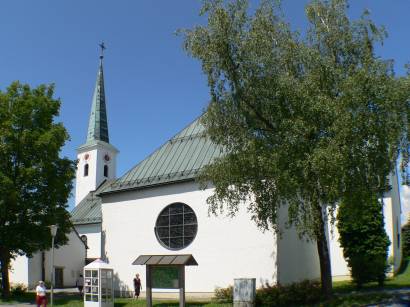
point(53, 229)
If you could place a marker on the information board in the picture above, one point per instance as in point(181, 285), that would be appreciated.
point(165, 277)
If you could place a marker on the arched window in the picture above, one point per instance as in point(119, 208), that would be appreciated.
point(105, 170)
point(86, 170)
point(176, 226)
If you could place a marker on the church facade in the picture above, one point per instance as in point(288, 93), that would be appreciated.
point(157, 208)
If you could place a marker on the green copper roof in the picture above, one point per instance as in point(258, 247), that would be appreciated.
point(98, 126)
point(88, 211)
point(179, 159)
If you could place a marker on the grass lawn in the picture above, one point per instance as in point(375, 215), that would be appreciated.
point(346, 294)
point(74, 300)
point(401, 280)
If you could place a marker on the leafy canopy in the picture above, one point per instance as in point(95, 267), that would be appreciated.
point(303, 120)
point(34, 181)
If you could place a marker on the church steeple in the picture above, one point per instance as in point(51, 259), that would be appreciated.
point(98, 126)
point(97, 157)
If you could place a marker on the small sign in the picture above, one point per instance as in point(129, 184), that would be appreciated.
point(165, 277)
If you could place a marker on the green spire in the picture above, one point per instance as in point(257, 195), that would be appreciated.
point(98, 125)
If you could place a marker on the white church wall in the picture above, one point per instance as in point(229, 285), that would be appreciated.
point(297, 258)
point(224, 248)
point(392, 220)
point(26, 270)
point(339, 267)
point(19, 270)
point(388, 220)
point(70, 258)
point(396, 220)
point(34, 272)
point(93, 233)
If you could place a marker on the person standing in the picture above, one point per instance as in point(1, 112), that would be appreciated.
point(80, 283)
point(41, 299)
point(137, 286)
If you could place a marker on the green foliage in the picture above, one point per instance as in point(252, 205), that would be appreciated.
point(224, 294)
point(18, 289)
point(296, 294)
point(305, 292)
point(405, 235)
point(302, 120)
point(34, 181)
point(363, 237)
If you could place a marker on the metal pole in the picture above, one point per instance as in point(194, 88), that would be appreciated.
point(181, 282)
point(52, 270)
point(148, 286)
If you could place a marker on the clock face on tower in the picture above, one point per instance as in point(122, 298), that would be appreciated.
point(86, 156)
point(107, 157)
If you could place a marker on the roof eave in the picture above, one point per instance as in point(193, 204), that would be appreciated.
point(145, 186)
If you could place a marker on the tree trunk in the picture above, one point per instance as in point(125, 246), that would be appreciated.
point(5, 262)
point(324, 256)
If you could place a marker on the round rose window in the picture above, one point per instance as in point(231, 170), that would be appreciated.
point(176, 226)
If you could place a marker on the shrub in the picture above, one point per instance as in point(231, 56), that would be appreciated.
point(363, 237)
point(18, 289)
point(296, 294)
point(224, 295)
point(405, 234)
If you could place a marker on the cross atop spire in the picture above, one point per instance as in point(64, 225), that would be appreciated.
point(98, 126)
point(102, 46)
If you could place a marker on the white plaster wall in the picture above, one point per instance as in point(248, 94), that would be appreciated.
point(338, 263)
point(19, 270)
point(34, 272)
point(297, 258)
point(388, 221)
point(396, 221)
point(224, 248)
point(93, 233)
point(70, 257)
point(96, 164)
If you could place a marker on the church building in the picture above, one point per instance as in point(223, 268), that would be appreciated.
point(157, 208)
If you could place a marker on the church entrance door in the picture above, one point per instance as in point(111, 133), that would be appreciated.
point(59, 278)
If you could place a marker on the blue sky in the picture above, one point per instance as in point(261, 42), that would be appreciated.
point(153, 88)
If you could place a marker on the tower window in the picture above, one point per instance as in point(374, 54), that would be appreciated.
point(86, 170)
point(105, 170)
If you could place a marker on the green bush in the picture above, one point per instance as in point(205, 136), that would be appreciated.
point(405, 234)
point(17, 289)
point(363, 237)
point(224, 295)
point(296, 294)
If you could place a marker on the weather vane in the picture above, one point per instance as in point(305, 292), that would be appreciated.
point(102, 46)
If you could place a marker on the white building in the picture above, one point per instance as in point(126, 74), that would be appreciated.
point(69, 261)
point(157, 208)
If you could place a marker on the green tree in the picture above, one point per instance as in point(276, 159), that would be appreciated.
point(363, 237)
point(301, 119)
point(405, 234)
point(34, 181)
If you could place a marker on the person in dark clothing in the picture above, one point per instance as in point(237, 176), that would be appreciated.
point(137, 286)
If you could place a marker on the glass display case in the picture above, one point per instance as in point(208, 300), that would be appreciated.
point(98, 284)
